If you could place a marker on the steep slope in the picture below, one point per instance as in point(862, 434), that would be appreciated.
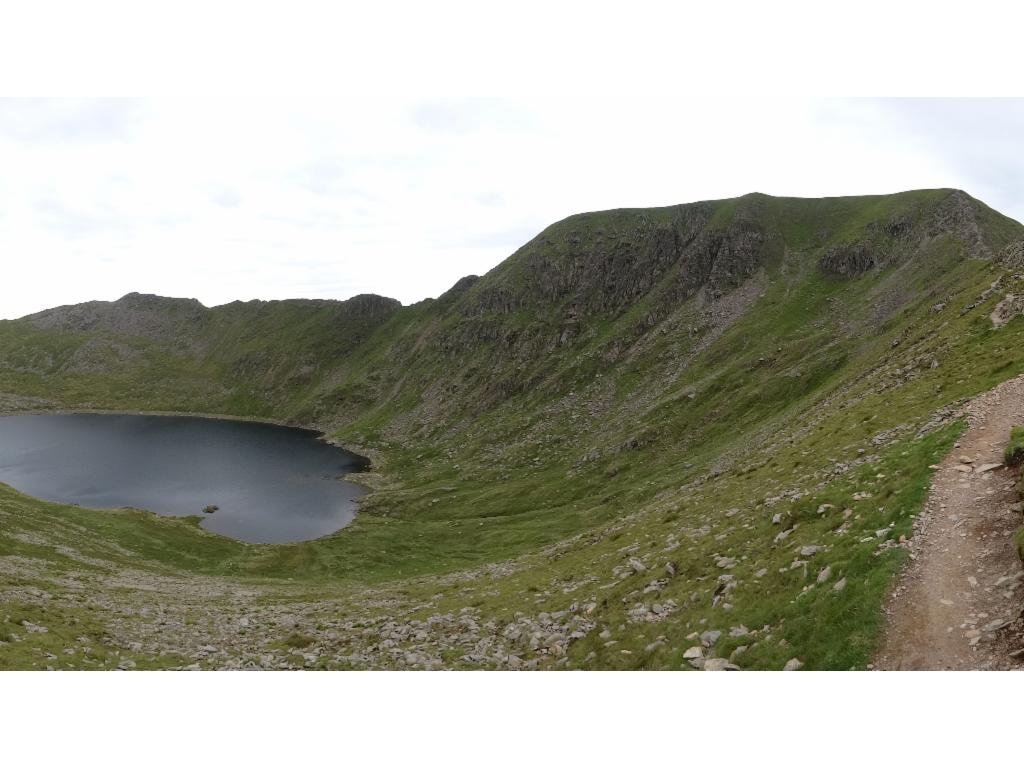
point(678, 419)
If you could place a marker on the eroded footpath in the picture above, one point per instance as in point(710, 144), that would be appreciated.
point(958, 606)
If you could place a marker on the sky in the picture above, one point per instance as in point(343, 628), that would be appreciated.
point(222, 199)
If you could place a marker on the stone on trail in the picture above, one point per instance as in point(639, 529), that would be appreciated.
point(810, 549)
point(694, 652)
point(719, 665)
point(1010, 579)
point(995, 625)
point(792, 665)
point(987, 468)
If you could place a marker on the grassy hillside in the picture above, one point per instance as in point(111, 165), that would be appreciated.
point(645, 425)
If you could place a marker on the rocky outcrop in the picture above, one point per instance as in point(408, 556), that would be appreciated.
point(891, 240)
point(1007, 309)
point(462, 285)
point(601, 264)
point(591, 269)
point(364, 306)
point(135, 314)
point(1013, 255)
point(848, 259)
point(367, 305)
point(959, 214)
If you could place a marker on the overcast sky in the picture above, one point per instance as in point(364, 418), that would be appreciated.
point(221, 201)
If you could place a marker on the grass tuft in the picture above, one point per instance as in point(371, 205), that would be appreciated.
point(1015, 449)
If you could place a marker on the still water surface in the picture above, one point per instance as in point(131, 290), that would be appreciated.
point(271, 483)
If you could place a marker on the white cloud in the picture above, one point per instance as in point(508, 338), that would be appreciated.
point(330, 198)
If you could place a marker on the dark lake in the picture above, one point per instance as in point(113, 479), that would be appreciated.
point(271, 483)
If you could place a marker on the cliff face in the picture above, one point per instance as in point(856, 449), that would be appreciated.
point(595, 265)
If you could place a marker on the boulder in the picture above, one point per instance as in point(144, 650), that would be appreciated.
point(710, 637)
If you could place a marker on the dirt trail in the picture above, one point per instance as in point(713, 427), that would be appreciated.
point(958, 605)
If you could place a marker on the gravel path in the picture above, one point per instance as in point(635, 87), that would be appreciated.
point(959, 603)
